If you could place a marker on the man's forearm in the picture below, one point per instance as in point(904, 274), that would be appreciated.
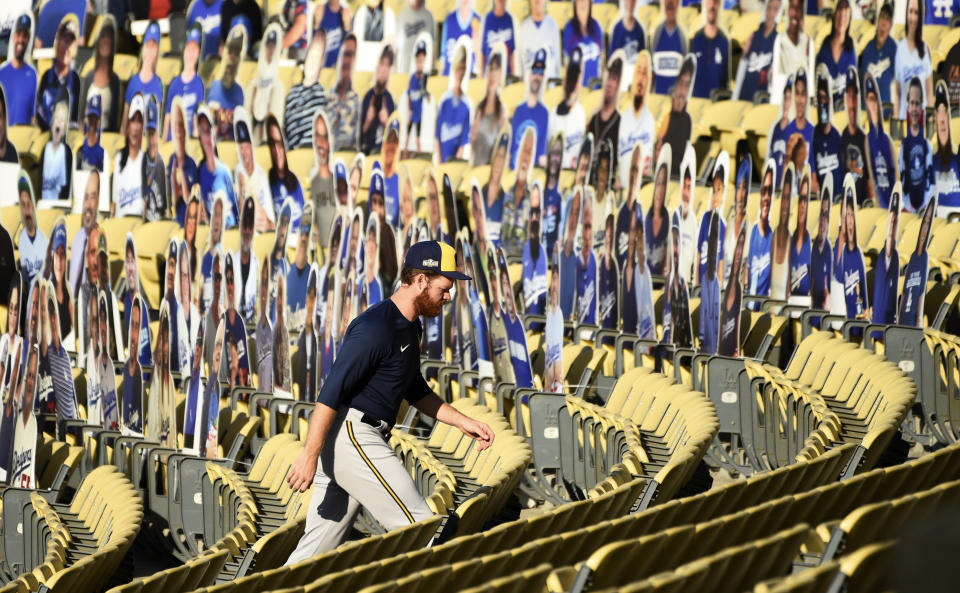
point(320, 423)
point(435, 407)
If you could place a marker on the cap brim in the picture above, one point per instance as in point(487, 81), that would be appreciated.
point(455, 276)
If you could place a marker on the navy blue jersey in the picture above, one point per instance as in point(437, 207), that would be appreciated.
point(621, 235)
point(886, 276)
point(517, 344)
point(837, 69)
point(371, 140)
point(498, 29)
point(799, 267)
point(914, 289)
point(882, 165)
point(552, 203)
point(628, 304)
point(879, 61)
point(90, 157)
point(534, 278)
point(656, 242)
point(668, 51)
point(378, 364)
point(591, 46)
point(632, 42)
point(916, 171)
point(821, 267)
point(415, 93)
point(854, 282)
point(586, 275)
point(948, 182)
point(853, 159)
point(759, 61)
point(568, 282)
point(778, 149)
point(759, 261)
point(703, 242)
point(939, 12)
point(609, 286)
point(332, 24)
point(709, 314)
point(713, 56)
point(806, 132)
point(825, 156)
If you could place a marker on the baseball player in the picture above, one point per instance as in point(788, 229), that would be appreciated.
point(346, 455)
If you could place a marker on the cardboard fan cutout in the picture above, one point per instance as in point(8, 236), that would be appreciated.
point(608, 273)
point(821, 253)
point(915, 276)
point(886, 270)
point(586, 265)
point(731, 303)
point(849, 270)
point(657, 223)
point(800, 245)
point(710, 282)
point(534, 258)
point(161, 415)
point(677, 325)
point(761, 235)
point(131, 383)
point(569, 255)
point(553, 336)
point(23, 466)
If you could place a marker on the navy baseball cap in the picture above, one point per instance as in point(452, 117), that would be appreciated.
point(152, 33)
point(870, 86)
point(243, 133)
point(852, 80)
point(434, 256)
point(576, 57)
point(940, 96)
point(272, 36)
point(393, 128)
point(340, 172)
point(801, 76)
point(421, 48)
point(23, 23)
point(540, 59)
point(194, 34)
point(152, 114)
point(94, 105)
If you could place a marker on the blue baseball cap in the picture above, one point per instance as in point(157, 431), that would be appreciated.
point(852, 79)
point(393, 128)
point(434, 256)
point(24, 23)
point(340, 172)
point(94, 105)
point(376, 182)
point(152, 33)
point(788, 86)
point(421, 48)
point(244, 20)
point(801, 76)
point(576, 57)
point(194, 34)
point(540, 59)
point(242, 132)
point(152, 113)
point(59, 237)
point(271, 37)
point(870, 86)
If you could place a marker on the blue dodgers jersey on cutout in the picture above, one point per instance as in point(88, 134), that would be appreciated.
point(498, 29)
point(20, 89)
point(90, 156)
point(552, 203)
point(332, 24)
point(280, 193)
point(806, 132)
point(656, 241)
point(882, 163)
point(709, 315)
point(825, 156)
point(948, 183)
point(632, 42)
point(799, 268)
point(534, 280)
point(879, 62)
point(712, 63)
point(192, 93)
point(914, 287)
point(190, 172)
point(667, 56)
point(209, 18)
point(391, 199)
point(152, 87)
point(703, 240)
point(916, 170)
point(377, 365)
point(415, 93)
point(586, 289)
point(885, 281)
point(453, 126)
point(517, 344)
point(760, 248)
point(821, 267)
point(219, 179)
point(854, 282)
point(568, 283)
point(607, 296)
point(778, 149)
point(228, 99)
point(939, 12)
point(759, 61)
point(591, 46)
point(453, 30)
point(837, 70)
point(523, 116)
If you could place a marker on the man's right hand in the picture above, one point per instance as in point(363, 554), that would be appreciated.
point(302, 471)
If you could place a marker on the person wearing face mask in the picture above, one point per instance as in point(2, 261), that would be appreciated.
point(916, 154)
point(306, 98)
point(825, 149)
point(568, 117)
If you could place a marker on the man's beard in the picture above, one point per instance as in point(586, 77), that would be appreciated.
point(21, 53)
point(427, 307)
point(637, 102)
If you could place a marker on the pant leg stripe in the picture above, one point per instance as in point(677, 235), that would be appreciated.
point(353, 439)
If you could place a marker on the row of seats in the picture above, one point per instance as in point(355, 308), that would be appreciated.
point(70, 547)
point(514, 547)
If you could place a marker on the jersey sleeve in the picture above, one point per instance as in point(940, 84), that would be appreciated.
point(419, 389)
point(355, 361)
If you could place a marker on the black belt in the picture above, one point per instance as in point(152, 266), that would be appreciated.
point(380, 425)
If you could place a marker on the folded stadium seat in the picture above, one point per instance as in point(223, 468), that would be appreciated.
point(514, 94)
point(363, 82)
point(168, 68)
point(22, 136)
point(561, 12)
point(527, 580)
point(590, 99)
point(290, 76)
point(479, 174)
point(817, 579)
point(300, 162)
point(227, 153)
point(125, 66)
point(743, 26)
point(732, 570)
point(607, 15)
point(870, 222)
point(115, 229)
point(246, 73)
point(690, 19)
